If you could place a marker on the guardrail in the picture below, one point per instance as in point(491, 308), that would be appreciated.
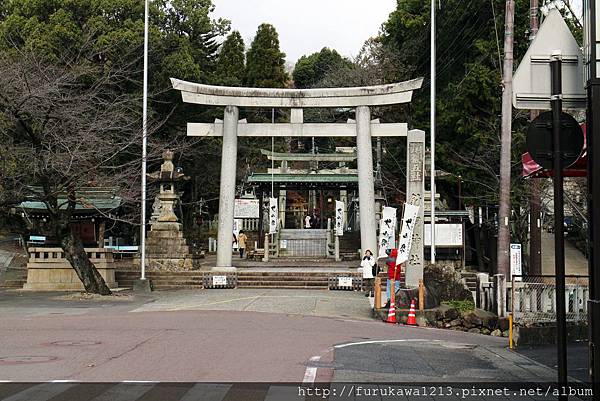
point(532, 298)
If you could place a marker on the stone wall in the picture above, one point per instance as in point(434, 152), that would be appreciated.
point(49, 270)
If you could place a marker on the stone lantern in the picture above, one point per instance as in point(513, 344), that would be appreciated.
point(166, 247)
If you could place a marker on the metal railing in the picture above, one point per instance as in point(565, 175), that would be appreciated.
point(532, 298)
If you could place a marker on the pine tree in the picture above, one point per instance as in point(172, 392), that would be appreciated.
point(231, 61)
point(265, 63)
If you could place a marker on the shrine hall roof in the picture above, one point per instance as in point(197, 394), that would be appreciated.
point(260, 178)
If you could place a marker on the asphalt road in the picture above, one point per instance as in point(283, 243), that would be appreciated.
point(48, 337)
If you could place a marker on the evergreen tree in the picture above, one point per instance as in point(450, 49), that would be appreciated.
point(309, 70)
point(265, 63)
point(231, 61)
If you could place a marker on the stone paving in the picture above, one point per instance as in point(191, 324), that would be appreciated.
point(344, 304)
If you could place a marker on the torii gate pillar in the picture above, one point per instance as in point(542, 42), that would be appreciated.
point(227, 190)
point(366, 183)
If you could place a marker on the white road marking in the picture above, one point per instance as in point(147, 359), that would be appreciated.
point(63, 381)
point(41, 392)
point(383, 342)
point(311, 372)
point(125, 391)
point(206, 392)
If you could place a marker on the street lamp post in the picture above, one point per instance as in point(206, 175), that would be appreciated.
point(432, 124)
point(144, 145)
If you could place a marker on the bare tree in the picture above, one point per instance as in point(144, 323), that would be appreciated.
point(64, 127)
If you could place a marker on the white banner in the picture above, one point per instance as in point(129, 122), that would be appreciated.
point(339, 218)
point(237, 226)
point(273, 215)
point(246, 209)
point(516, 265)
point(406, 234)
point(387, 231)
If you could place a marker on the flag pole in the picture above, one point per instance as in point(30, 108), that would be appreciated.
point(432, 124)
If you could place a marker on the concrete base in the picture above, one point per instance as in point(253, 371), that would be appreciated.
point(223, 269)
point(143, 286)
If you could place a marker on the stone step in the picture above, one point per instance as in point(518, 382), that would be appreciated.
point(289, 287)
point(161, 287)
point(323, 283)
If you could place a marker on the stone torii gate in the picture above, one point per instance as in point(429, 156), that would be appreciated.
point(363, 129)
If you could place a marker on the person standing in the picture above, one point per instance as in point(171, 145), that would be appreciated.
point(242, 238)
point(368, 264)
point(392, 274)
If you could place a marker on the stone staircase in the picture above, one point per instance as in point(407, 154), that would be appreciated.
point(13, 278)
point(247, 278)
point(349, 245)
point(163, 280)
point(470, 279)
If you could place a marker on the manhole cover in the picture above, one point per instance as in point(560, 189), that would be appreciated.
point(76, 343)
point(16, 360)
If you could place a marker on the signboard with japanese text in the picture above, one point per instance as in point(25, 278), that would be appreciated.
point(516, 263)
point(219, 281)
point(246, 209)
point(411, 212)
point(344, 281)
point(450, 235)
point(339, 218)
point(387, 231)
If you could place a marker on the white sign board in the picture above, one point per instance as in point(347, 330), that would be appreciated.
point(532, 81)
point(219, 280)
point(283, 244)
point(344, 281)
point(273, 215)
point(246, 209)
point(516, 265)
point(445, 235)
point(411, 212)
point(339, 218)
point(387, 231)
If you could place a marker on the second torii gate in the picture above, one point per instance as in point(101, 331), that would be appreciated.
point(363, 129)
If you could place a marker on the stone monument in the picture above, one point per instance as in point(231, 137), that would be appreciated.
point(166, 247)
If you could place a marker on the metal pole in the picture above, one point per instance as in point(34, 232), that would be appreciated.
point(144, 144)
point(593, 148)
point(432, 124)
point(559, 251)
point(272, 155)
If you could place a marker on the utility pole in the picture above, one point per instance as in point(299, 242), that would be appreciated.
point(505, 145)
point(535, 224)
point(592, 72)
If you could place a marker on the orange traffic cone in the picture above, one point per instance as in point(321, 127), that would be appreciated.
point(391, 314)
point(412, 321)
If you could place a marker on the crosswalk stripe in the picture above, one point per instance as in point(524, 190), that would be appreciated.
point(125, 392)
point(206, 392)
point(41, 392)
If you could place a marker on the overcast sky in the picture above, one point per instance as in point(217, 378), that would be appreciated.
point(307, 26)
